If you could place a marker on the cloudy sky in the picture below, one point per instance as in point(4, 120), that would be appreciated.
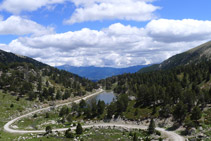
point(114, 33)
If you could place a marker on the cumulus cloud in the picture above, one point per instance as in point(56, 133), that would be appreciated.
point(16, 25)
point(186, 30)
point(89, 10)
point(17, 6)
point(94, 10)
point(116, 46)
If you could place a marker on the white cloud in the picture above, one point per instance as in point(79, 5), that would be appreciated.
point(16, 25)
point(165, 30)
point(94, 10)
point(89, 10)
point(115, 46)
point(17, 6)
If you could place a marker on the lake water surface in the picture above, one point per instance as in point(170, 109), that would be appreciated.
point(107, 97)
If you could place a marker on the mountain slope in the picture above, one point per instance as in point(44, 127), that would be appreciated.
point(182, 92)
point(25, 77)
point(97, 73)
point(6, 57)
point(195, 55)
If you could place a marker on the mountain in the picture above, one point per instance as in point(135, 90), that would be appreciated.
point(97, 73)
point(195, 55)
point(6, 58)
point(25, 77)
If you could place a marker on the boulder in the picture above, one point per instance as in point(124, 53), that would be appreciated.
point(192, 131)
point(201, 135)
point(200, 128)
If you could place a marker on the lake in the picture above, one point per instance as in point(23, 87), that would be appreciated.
point(107, 97)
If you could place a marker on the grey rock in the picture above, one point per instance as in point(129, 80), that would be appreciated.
point(192, 131)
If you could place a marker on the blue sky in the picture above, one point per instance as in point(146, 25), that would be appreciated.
point(102, 33)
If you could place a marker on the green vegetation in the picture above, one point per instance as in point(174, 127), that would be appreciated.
point(26, 83)
point(7, 112)
point(79, 129)
point(96, 134)
point(69, 134)
point(113, 134)
point(48, 130)
point(151, 128)
point(42, 83)
point(64, 116)
point(180, 92)
point(28, 78)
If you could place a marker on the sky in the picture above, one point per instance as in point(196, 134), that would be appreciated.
point(103, 33)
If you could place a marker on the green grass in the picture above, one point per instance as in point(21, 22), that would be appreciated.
point(90, 134)
point(95, 135)
point(135, 113)
point(206, 122)
point(7, 112)
point(40, 122)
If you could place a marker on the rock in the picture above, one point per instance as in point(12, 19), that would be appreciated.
point(200, 128)
point(201, 135)
point(155, 136)
point(54, 134)
point(132, 97)
point(192, 131)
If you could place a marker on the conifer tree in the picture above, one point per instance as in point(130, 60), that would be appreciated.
point(79, 129)
point(151, 128)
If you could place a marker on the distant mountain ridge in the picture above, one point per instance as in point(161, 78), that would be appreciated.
point(195, 55)
point(97, 73)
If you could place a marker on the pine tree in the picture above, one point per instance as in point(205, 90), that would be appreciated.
point(64, 111)
point(39, 87)
point(47, 115)
point(151, 128)
point(79, 129)
point(69, 134)
point(69, 118)
point(101, 107)
point(82, 104)
point(47, 83)
point(135, 137)
point(58, 95)
point(48, 129)
point(196, 114)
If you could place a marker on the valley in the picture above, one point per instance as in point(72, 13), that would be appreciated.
point(169, 103)
point(98, 73)
point(7, 127)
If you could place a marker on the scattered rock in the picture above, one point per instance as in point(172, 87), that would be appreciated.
point(192, 131)
point(132, 97)
point(201, 135)
point(200, 128)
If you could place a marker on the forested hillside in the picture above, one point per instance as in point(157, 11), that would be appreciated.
point(28, 78)
point(182, 92)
